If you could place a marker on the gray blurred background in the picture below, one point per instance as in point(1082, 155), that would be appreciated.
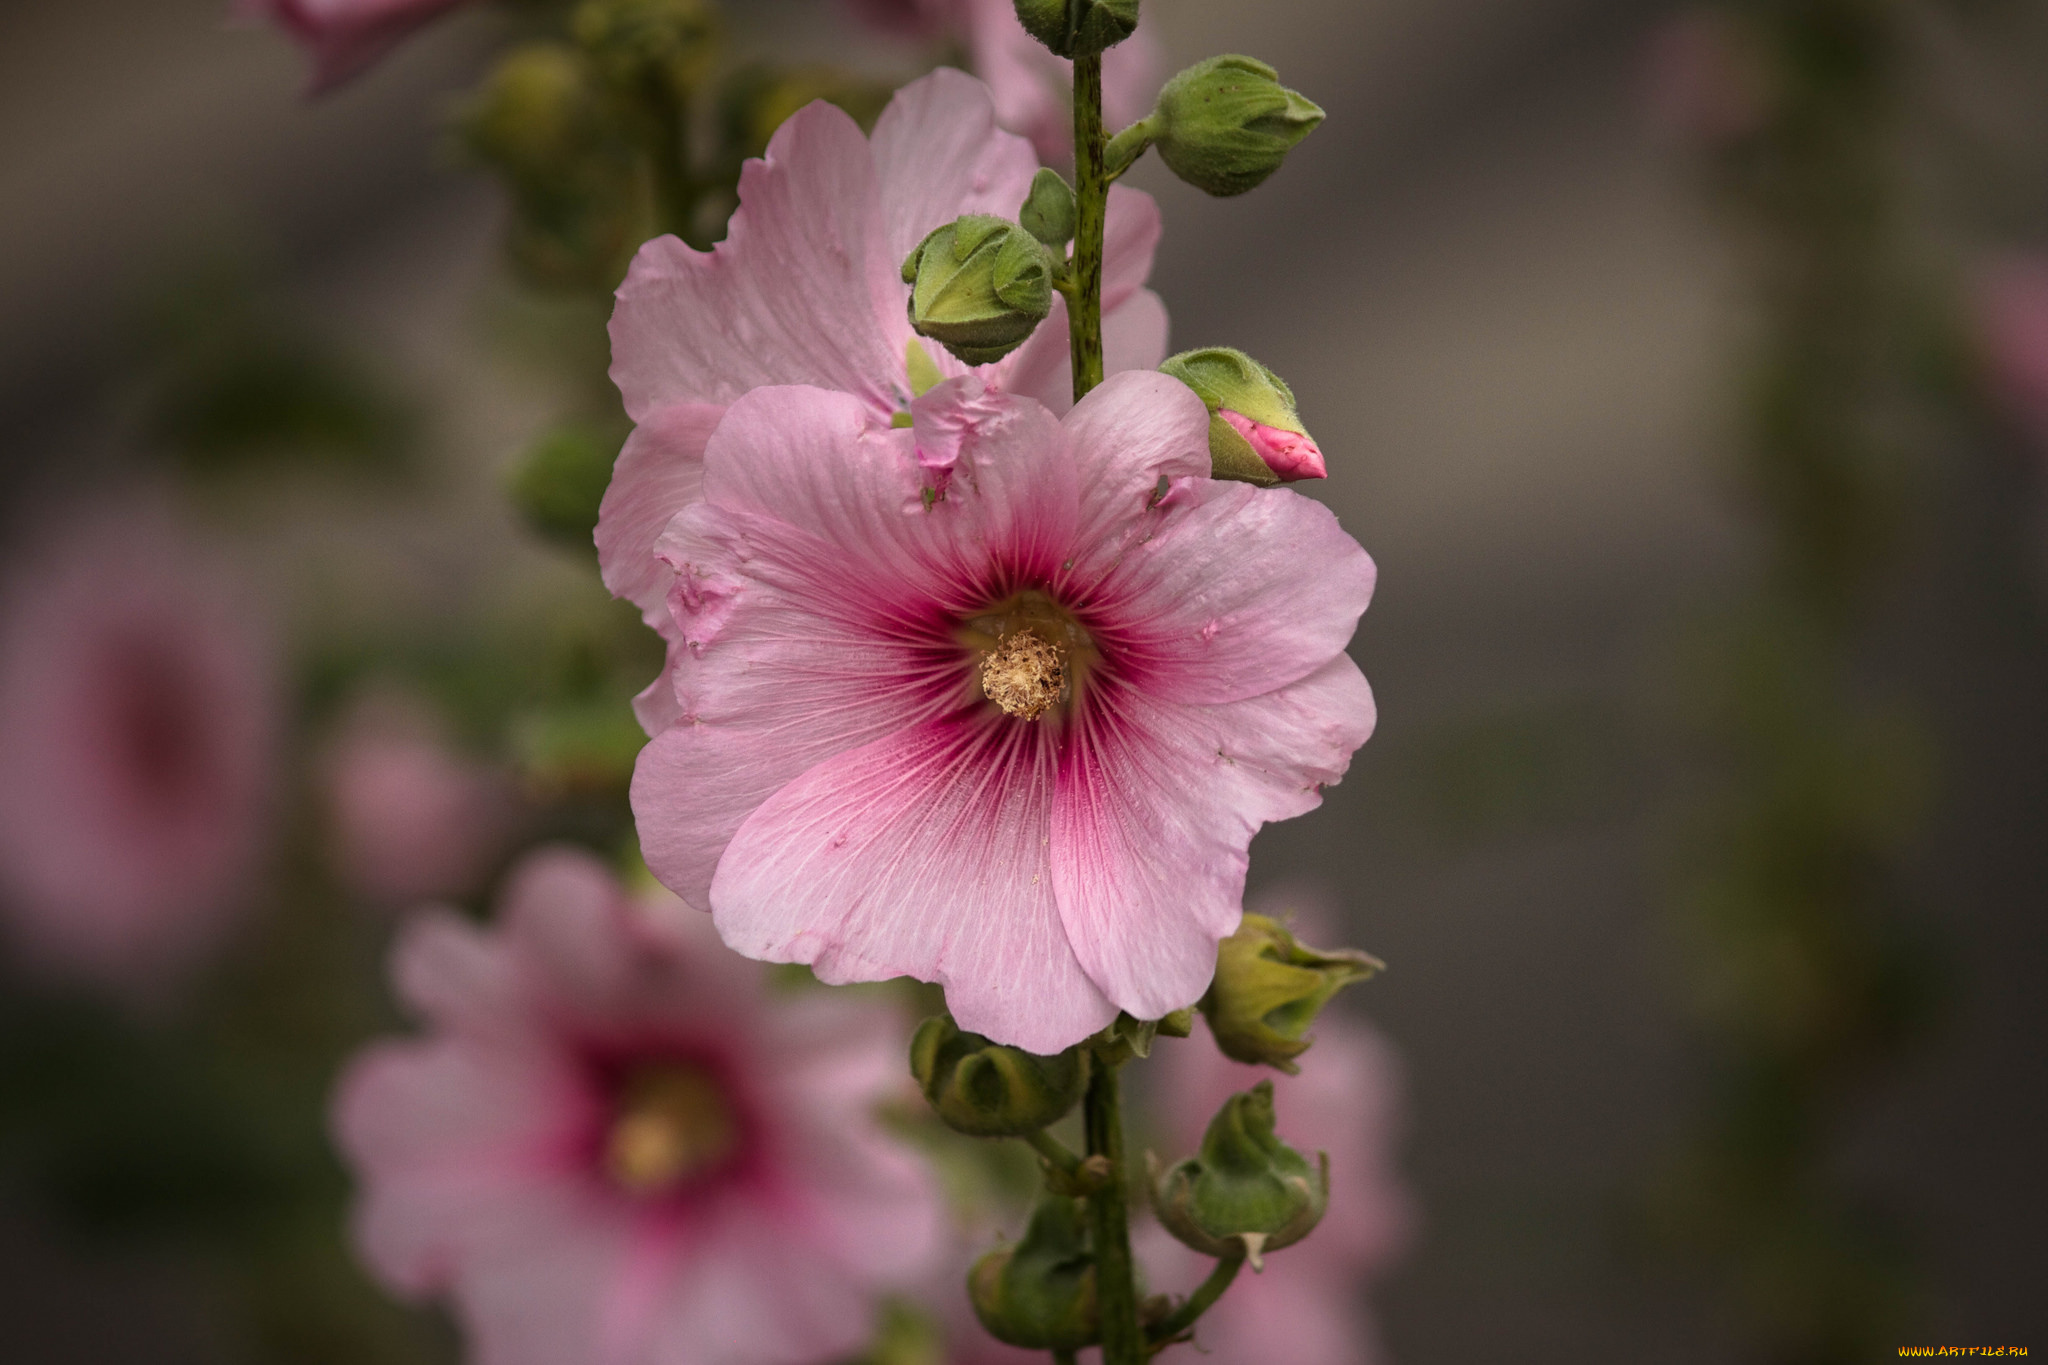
point(1514, 329)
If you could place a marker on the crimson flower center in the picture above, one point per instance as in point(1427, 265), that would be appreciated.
point(673, 1124)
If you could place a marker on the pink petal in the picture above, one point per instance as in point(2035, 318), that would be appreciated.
point(1237, 591)
point(1133, 338)
point(1136, 429)
point(1131, 231)
point(938, 154)
point(455, 975)
point(1157, 806)
point(803, 290)
point(659, 471)
point(921, 854)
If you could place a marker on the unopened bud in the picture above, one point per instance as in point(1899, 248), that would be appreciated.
point(978, 287)
point(1076, 28)
point(1048, 212)
point(1269, 988)
point(1255, 435)
point(1040, 1294)
point(1225, 124)
point(536, 115)
point(1246, 1192)
point(987, 1089)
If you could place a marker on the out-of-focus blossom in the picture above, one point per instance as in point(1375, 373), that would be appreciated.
point(807, 288)
point(412, 819)
point(138, 732)
point(1703, 79)
point(2010, 307)
point(1003, 715)
point(1305, 1307)
point(345, 37)
point(611, 1146)
point(1033, 89)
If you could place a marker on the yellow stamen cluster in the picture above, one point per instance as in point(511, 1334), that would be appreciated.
point(673, 1124)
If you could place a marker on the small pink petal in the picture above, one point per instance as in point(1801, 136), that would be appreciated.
point(1289, 454)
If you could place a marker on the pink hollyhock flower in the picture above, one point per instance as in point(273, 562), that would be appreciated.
point(411, 819)
point(1292, 455)
point(1033, 90)
point(1305, 1307)
point(612, 1147)
point(807, 289)
point(2010, 303)
point(346, 37)
point(138, 732)
point(1001, 715)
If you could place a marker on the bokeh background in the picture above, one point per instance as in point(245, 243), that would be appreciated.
point(1524, 321)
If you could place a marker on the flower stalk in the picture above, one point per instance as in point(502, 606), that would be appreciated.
point(1123, 1339)
point(1091, 207)
point(1177, 1324)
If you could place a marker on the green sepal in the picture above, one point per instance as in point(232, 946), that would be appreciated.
point(986, 1089)
point(1225, 124)
point(979, 286)
point(1268, 989)
point(1048, 211)
point(1074, 28)
point(1040, 1294)
point(1246, 1192)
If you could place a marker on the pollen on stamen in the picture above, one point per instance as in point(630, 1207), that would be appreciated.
point(1024, 674)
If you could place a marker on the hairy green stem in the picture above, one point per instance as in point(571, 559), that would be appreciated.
point(1199, 1302)
point(1091, 201)
point(1116, 1289)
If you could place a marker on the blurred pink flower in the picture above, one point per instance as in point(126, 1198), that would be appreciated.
point(612, 1147)
point(412, 820)
point(1703, 79)
point(346, 37)
point(1033, 89)
point(861, 777)
point(807, 289)
point(138, 734)
point(1305, 1308)
point(2010, 306)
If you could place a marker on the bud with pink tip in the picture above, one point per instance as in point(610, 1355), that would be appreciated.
point(1255, 435)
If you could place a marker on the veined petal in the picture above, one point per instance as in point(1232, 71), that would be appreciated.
point(801, 291)
point(659, 471)
point(1236, 591)
point(1133, 338)
point(939, 154)
point(1156, 809)
point(922, 854)
point(1134, 430)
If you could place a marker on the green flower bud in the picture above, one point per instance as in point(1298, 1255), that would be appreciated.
point(1074, 28)
point(979, 285)
point(1040, 1294)
point(1255, 435)
point(536, 115)
point(988, 1090)
point(1225, 124)
point(1269, 988)
point(560, 483)
point(1048, 212)
point(1246, 1192)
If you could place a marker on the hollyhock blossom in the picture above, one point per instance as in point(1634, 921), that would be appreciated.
point(1033, 89)
point(1002, 714)
point(2010, 307)
point(807, 289)
point(612, 1147)
point(1305, 1307)
point(346, 37)
point(139, 722)
point(412, 820)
